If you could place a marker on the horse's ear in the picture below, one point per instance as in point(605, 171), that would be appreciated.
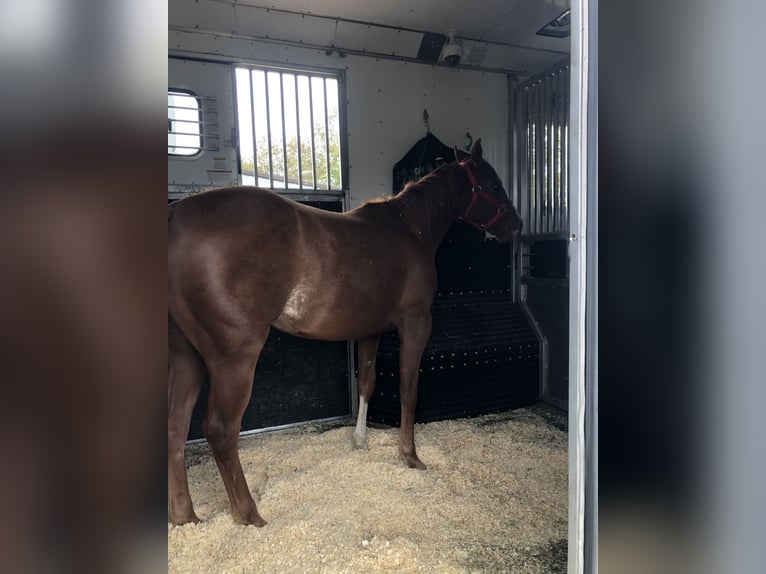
point(460, 155)
point(476, 150)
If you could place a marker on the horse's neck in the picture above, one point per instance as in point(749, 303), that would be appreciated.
point(430, 206)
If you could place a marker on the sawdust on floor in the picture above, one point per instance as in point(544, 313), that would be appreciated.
point(493, 499)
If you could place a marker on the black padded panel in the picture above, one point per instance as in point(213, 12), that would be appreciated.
point(482, 355)
point(296, 380)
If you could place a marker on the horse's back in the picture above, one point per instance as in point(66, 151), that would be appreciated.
point(221, 209)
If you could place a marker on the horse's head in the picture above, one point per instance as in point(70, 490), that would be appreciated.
point(487, 207)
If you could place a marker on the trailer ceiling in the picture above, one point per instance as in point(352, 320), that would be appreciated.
point(496, 35)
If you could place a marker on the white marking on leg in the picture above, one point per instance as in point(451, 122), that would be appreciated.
point(360, 433)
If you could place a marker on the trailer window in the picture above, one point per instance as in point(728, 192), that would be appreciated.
point(289, 128)
point(184, 123)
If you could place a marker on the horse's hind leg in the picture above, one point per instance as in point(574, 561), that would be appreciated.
point(414, 331)
point(231, 384)
point(368, 350)
point(186, 371)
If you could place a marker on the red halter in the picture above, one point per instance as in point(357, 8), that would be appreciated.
point(478, 192)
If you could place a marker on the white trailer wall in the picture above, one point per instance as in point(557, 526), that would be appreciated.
point(385, 102)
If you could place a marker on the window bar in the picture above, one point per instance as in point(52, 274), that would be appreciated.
point(527, 203)
point(326, 134)
point(544, 155)
point(252, 120)
point(298, 131)
point(523, 123)
point(553, 220)
point(560, 160)
point(532, 162)
point(547, 156)
point(565, 151)
point(268, 127)
point(555, 151)
point(539, 145)
point(533, 144)
point(313, 146)
point(538, 149)
point(551, 154)
point(555, 148)
point(284, 128)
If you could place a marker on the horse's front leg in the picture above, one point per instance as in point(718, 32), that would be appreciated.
point(414, 331)
point(368, 351)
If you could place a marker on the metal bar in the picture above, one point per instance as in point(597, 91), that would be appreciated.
point(542, 343)
point(552, 203)
point(521, 178)
point(213, 56)
point(529, 181)
point(541, 154)
point(280, 427)
point(179, 146)
point(343, 128)
point(513, 141)
point(564, 86)
point(252, 120)
point(557, 175)
point(175, 133)
point(512, 170)
point(313, 146)
point(554, 152)
point(284, 128)
point(565, 154)
point(298, 131)
point(540, 145)
point(532, 161)
point(174, 107)
point(326, 134)
point(268, 126)
point(547, 155)
point(583, 120)
point(387, 26)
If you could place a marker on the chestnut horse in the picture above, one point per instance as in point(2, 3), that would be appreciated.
point(241, 260)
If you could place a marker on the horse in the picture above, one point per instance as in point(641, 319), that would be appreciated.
point(243, 259)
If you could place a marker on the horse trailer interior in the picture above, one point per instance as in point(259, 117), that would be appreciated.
point(335, 103)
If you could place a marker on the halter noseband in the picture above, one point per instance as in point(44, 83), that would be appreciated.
point(478, 192)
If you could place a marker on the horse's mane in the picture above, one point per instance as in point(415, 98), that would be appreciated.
point(412, 187)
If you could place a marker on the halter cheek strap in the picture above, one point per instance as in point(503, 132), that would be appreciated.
point(479, 193)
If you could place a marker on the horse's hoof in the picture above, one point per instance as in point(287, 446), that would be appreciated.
point(414, 462)
point(189, 519)
point(361, 444)
point(253, 520)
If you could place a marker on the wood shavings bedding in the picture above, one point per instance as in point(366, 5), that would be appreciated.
point(493, 499)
